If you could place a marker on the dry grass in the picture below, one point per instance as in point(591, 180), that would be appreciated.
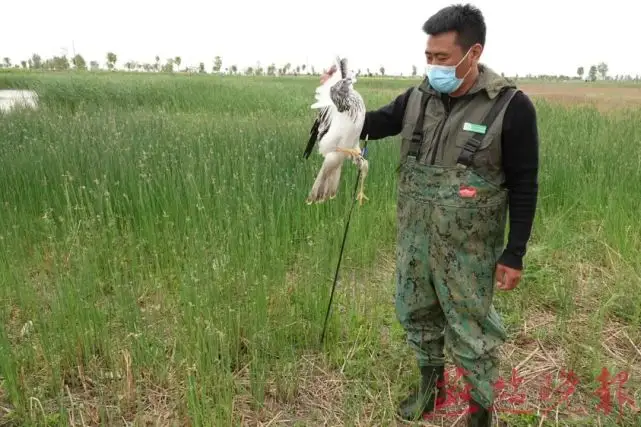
point(606, 97)
point(543, 370)
point(316, 399)
point(530, 367)
point(316, 392)
point(603, 97)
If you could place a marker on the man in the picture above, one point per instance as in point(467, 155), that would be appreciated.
point(451, 219)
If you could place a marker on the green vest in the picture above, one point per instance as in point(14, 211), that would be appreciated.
point(444, 135)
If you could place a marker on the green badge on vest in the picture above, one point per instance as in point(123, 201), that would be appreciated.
point(474, 128)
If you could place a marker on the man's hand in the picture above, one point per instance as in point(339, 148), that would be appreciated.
point(328, 74)
point(507, 278)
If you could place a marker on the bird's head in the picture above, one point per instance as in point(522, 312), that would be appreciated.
point(344, 85)
point(346, 79)
point(347, 76)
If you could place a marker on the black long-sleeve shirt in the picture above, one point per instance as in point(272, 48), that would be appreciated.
point(520, 153)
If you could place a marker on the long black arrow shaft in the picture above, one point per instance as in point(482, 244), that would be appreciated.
point(340, 256)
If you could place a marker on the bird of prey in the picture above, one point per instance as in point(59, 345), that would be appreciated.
point(337, 130)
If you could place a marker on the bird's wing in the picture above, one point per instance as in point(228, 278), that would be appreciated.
point(319, 129)
point(326, 107)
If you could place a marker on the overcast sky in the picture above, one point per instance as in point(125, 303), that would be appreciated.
point(370, 34)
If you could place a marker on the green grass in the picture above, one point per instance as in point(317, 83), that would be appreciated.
point(153, 230)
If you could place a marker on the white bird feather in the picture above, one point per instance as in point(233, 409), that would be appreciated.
point(337, 130)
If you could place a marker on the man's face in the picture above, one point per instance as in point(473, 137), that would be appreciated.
point(442, 49)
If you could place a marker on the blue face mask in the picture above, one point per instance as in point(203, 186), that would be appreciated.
point(443, 77)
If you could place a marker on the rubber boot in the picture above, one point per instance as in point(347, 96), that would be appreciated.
point(422, 402)
point(479, 416)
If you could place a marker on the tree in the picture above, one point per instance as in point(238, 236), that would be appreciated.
point(218, 63)
point(24, 64)
point(169, 66)
point(79, 62)
point(111, 60)
point(177, 61)
point(57, 63)
point(414, 72)
point(201, 67)
point(234, 69)
point(580, 72)
point(36, 61)
point(382, 70)
point(7, 62)
point(95, 66)
point(592, 73)
point(61, 62)
point(602, 68)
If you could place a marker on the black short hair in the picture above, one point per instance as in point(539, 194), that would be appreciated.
point(466, 20)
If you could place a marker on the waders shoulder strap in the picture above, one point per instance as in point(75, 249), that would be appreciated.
point(465, 158)
point(417, 135)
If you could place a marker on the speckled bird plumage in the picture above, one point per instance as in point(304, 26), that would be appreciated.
point(337, 131)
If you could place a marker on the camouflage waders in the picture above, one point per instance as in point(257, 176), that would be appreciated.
point(451, 224)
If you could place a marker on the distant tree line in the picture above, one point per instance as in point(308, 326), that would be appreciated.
point(602, 69)
point(78, 62)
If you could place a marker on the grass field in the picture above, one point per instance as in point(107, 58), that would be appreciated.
point(159, 265)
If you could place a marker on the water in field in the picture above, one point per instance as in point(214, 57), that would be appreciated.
point(10, 98)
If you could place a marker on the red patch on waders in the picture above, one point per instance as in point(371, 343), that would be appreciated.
point(467, 192)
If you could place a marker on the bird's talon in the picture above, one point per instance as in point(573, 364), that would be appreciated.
point(361, 197)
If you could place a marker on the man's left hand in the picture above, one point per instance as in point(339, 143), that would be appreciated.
point(328, 74)
point(507, 278)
